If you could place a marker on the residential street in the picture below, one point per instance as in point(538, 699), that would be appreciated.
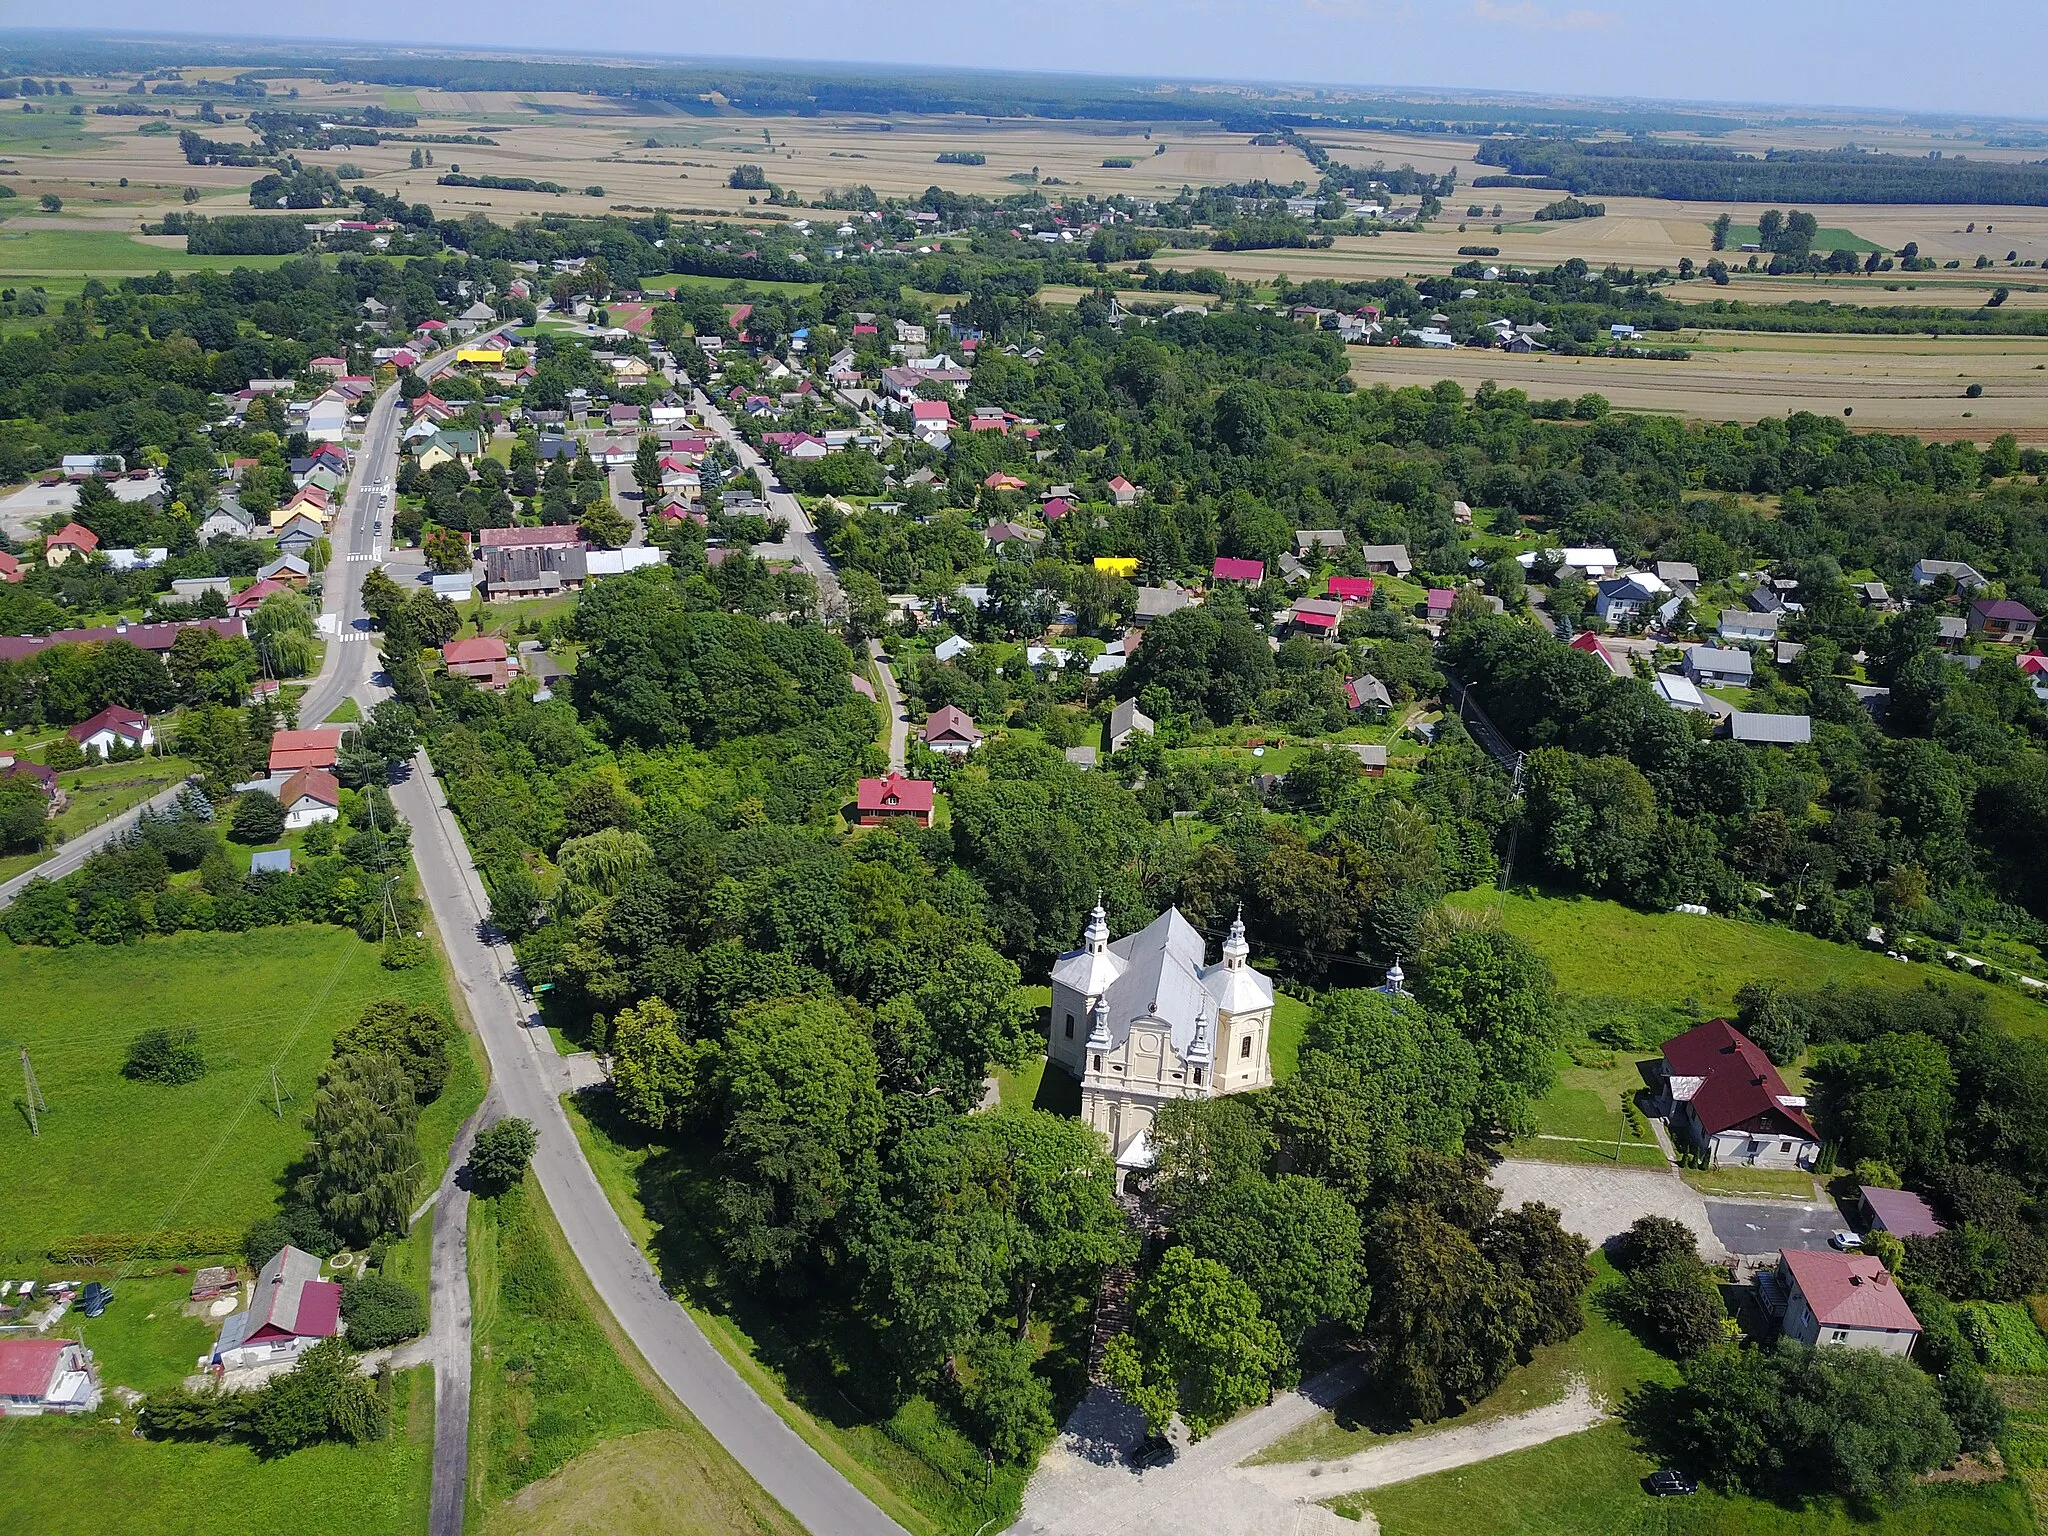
point(529, 1077)
point(802, 543)
point(892, 701)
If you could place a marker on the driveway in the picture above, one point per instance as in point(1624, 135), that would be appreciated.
point(1765, 1226)
point(1600, 1203)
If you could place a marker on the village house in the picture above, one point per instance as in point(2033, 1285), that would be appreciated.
point(1122, 492)
point(1760, 730)
point(1966, 576)
point(1724, 1096)
point(309, 795)
point(1311, 541)
point(951, 730)
point(1713, 667)
point(2002, 619)
point(113, 727)
point(1899, 1212)
point(1368, 693)
point(1386, 559)
point(1627, 596)
point(291, 1310)
point(1127, 721)
point(879, 802)
point(1317, 616)
point(1838, 1298)
point(10, 567)
point(1351, 589)
point(1247, 573)
point(1145, 1020)
point(71, 539)
point(154, 638)
point(316, 748)
point(39, 1376)
point(1594, 646)
point(482, 659)
point(1744, 627)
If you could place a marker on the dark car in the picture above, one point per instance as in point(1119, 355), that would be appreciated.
point(96, 1298)
point(1669, 1484)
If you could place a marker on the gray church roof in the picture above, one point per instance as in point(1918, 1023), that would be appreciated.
point(1160, 976)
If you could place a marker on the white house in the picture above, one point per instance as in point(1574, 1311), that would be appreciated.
point(39, 1376)
point(327, 418)
point(1146, 1020)
point(951, 647)
point(1724, 1096)
point(1746, 628)
point(113, 727)
point(1627, 596)
point(291, 1310)
point(1840, 1298)
point(1716, 667)
point(310, 795)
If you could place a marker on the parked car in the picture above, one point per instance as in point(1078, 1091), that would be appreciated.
point(1668, 1484)
point(1844, 1242)
point(96, 1298)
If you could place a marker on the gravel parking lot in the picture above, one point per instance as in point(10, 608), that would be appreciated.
point(1599, 1203)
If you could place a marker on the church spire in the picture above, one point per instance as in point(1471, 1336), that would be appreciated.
point(1235, 950)
point(1095, 937)
point(1098, 1037)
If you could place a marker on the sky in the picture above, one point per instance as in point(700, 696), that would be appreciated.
point(1983, 57)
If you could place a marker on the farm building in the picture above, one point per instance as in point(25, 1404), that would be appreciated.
point(292, 1310)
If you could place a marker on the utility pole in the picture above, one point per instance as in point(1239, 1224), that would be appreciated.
point(279, 1093)
point(32, 1095)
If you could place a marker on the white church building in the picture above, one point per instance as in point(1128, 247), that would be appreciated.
point(1146, 1019)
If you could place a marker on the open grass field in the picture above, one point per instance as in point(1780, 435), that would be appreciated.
point(97, 794)
point(1602, 950)
point(569, 1429)
point(1591, 1482)
point(1605, 1355)
point(1891, 383)
point(88, 1478)
point(116, 1156)
point(59, 258)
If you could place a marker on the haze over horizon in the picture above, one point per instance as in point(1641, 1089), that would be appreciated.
point(1885, 54)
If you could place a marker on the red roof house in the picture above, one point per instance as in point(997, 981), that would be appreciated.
point(310, 795)
point(10, 568)
point(1055, 509)
point(292, 1310)
point(39, 1376)
point(1440, 600)
point(1844, 1298)
point(952, 730)
point(1352, 589)
point(1122, 492)
point(71, 539)
point(250, 598)
point(292, 750)
point(931, 412)
point(111, 727)
point(515, 538)
point(1228, 568)
point(483, 659)
point(1592, 645)
point(999, 481)
point(1728, 1099)
point(894, 798)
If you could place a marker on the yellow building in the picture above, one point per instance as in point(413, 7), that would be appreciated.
point(1117, 565)
point(480, 357)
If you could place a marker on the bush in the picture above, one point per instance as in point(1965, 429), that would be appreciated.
point(1652, 1241)
point(499, 1159)
point(2004, 1337)
point(322, 1399)
point(404, 952)
point(180, 1415)
point(1677, 1303)
point(94, 1250)
point(297, 1225)
point(258, 819)
point(169, 1056)
point(381, 1311)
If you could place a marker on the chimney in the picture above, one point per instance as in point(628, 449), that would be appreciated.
point(1855, 1279)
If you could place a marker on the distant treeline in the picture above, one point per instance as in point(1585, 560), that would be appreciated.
point(501, 183)
point(962, 157)
point(1713, 173)
point(242, 234)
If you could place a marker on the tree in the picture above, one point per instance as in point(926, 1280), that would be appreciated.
point(417, 1038)
point(381, 1311)
point(322, 1398)
point(499, 1158)
point(447, 550)
point(1891, 1099)
point(647, 468)
point(284, 625)
point(168, 1056)
point(1773, 1018)
point(365, 1163)
point(1498, 992)
point(258, 818)
point(605, 525)
point(1199, 1347)
point(655, 1071)
point(1294, 1241)
point(1006, 1402)
point(24, 825)
point(800, 1084)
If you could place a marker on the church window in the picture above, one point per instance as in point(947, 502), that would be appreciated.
point(1244, 1048)
point(1198, 1077)
point(1098, 1063)
point(1070, 1026)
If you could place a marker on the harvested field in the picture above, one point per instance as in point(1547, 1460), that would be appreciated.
point(1891, 383)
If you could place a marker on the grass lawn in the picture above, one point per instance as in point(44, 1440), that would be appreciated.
point(98, 794)
point(116, 1156)
point(1579, 1120)
point(1786, 1183)
point(1606, 1355)
point(35, 254)
point(347, 712)
point(567, 1423)
point(751, 285)
point(144, 1340)
point(1603, 950)
point(87, 1478)
point(1290, 1023)
point(1590, 1482)
point(920, 1472)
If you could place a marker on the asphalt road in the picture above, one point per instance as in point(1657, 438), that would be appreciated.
point(892, 701)
point(528, 1077)
point(1767, 1226)
point(802, 542)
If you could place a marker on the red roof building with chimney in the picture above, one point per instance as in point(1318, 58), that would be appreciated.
point(894, 798)
point(1727, 1099)
point(292, 750)
point(1228, 568)
point(1842, 1298)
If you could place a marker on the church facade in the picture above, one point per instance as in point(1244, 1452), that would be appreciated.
point(1146, 1019)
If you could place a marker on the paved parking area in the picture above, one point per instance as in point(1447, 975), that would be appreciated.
point(1765, 1226)
point(1600, 1203)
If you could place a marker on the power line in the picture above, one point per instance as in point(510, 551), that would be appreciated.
point(32, 1095)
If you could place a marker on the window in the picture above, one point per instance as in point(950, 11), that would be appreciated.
point(1098, 1063)
point(1784, 1146)
point(1070, 1026)
point(1198, 1077)
point(1839, 1336)
point(1244, 1048)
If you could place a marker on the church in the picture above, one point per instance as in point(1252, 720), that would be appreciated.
point(1146, 1019)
